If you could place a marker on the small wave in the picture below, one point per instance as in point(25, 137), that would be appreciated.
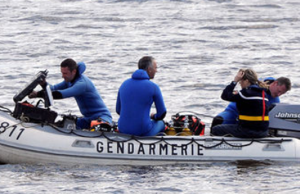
point(258, 26)
point(49, 19)
point(273, 20)
point(267, 6)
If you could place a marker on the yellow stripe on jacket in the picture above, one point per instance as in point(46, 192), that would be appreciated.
point(253, 118)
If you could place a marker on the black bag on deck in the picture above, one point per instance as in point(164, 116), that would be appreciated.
point(195, 123)
point(29, 113)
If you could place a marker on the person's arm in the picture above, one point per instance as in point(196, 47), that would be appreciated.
point(56, 94)
point(118, 105)
point(60, 86)
point(228, 93)
point(41, 94)
point(160, 105)
point(77, 89)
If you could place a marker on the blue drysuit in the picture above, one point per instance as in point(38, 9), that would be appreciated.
point(87, 97)
point(135, 98)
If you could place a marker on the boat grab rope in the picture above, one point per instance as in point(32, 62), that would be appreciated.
point(23, 119)
point(197, 142)
point(4, 109)
point(156, 140)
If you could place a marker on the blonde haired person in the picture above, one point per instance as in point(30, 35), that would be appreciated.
point(276, 88)
point(252, 105)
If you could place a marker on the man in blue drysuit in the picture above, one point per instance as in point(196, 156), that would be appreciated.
point(135, 98)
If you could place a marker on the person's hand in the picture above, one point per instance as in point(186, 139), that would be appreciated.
point(43, 82)
point(152, 115)
point(239, 75)
point(33, 94)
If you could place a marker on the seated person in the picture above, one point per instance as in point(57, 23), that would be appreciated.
point(252, 106)
point(79, 86)
point(135, 98)
point(275, 89)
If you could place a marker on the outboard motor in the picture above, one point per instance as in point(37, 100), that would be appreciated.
point(284, 120)
point(30, 113)
point(30, 86)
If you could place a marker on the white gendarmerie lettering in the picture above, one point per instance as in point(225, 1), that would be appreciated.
point(161, 149)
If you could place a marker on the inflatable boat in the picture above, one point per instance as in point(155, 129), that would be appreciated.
point(31, 135)
point(26, 142)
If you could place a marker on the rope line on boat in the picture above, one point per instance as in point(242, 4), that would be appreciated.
point(167, 140)
point(140, 139)
point(200, 143)
point(4, 109)
point(22, 121)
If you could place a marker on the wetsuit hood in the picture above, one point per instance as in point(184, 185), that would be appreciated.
point(140, 74)
point(81, 67)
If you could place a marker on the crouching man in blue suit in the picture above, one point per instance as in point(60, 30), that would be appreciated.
point(79, 86)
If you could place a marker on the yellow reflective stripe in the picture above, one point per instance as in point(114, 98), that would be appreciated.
point(253, 118)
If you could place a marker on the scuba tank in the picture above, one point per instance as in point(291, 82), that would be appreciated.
point(171, 130)
point(186, 131)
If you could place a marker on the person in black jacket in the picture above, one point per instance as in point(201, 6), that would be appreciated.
point(252, 107)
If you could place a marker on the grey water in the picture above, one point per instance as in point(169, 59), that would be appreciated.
point(199, 46)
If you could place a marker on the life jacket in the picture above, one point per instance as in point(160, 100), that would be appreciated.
point(256, 118)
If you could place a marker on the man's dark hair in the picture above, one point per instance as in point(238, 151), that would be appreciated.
point(284, 81)
point(70, 63)
point(145, 62)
